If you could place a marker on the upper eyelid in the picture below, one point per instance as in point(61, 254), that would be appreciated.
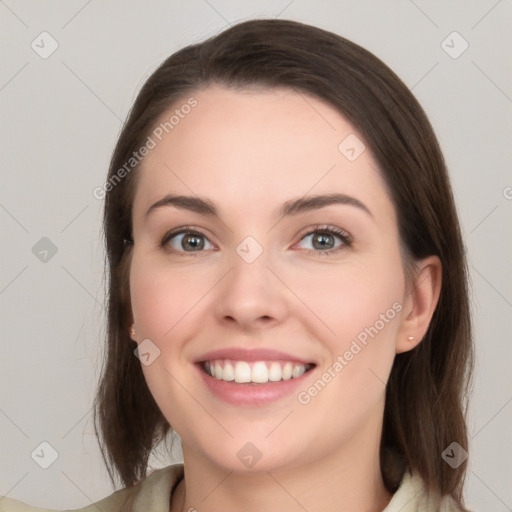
point(331, 230)
point(184, 230)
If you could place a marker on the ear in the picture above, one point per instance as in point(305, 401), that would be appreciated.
point(420, 303)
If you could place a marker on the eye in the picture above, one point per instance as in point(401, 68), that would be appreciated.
point(324, 240)
point(185, 240)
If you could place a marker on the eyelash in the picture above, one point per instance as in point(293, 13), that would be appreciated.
point(189, 230)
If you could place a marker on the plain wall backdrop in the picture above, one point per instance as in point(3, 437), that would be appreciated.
point(70, 72)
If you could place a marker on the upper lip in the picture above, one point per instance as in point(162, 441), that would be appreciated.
point(245, 354)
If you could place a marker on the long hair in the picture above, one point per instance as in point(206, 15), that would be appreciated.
point(427, 391)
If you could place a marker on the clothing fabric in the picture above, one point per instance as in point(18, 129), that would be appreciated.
point(153, 494)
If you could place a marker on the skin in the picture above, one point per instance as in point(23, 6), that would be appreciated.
point(249, 151)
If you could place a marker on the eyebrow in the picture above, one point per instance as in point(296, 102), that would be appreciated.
point(292, 207)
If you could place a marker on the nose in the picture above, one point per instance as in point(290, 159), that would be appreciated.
point(251, 296)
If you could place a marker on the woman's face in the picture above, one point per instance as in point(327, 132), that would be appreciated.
point(269, 292)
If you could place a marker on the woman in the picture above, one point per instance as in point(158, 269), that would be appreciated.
point(286, 260)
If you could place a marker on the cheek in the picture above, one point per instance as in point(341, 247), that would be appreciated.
point(150, 301)
point(362, 310)
point(342, 302)
point(357, 316)
point(161, 298)
point(162, 306)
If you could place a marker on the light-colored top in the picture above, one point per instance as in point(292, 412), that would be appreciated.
point(153, 494)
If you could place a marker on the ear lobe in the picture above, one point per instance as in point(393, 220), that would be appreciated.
point(420, 304)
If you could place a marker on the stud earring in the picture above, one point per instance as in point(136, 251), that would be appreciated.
point(132, 332)
point(411, 338)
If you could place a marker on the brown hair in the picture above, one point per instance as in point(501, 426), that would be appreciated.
point(427, 391)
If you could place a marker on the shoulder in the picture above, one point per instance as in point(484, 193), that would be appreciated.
point(152, 493)
point(411, 496)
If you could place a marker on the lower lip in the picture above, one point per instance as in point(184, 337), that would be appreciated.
point(252, 395)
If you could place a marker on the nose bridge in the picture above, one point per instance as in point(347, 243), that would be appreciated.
point(250, 276)
point(250, 250)
point(250, 290)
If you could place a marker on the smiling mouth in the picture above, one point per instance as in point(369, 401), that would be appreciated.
point(254, 372)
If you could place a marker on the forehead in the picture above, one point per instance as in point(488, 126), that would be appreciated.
point(253, 146)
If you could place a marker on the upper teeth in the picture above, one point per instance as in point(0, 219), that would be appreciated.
point(257, 371)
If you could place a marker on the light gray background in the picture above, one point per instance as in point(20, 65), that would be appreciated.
point(60, 120)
